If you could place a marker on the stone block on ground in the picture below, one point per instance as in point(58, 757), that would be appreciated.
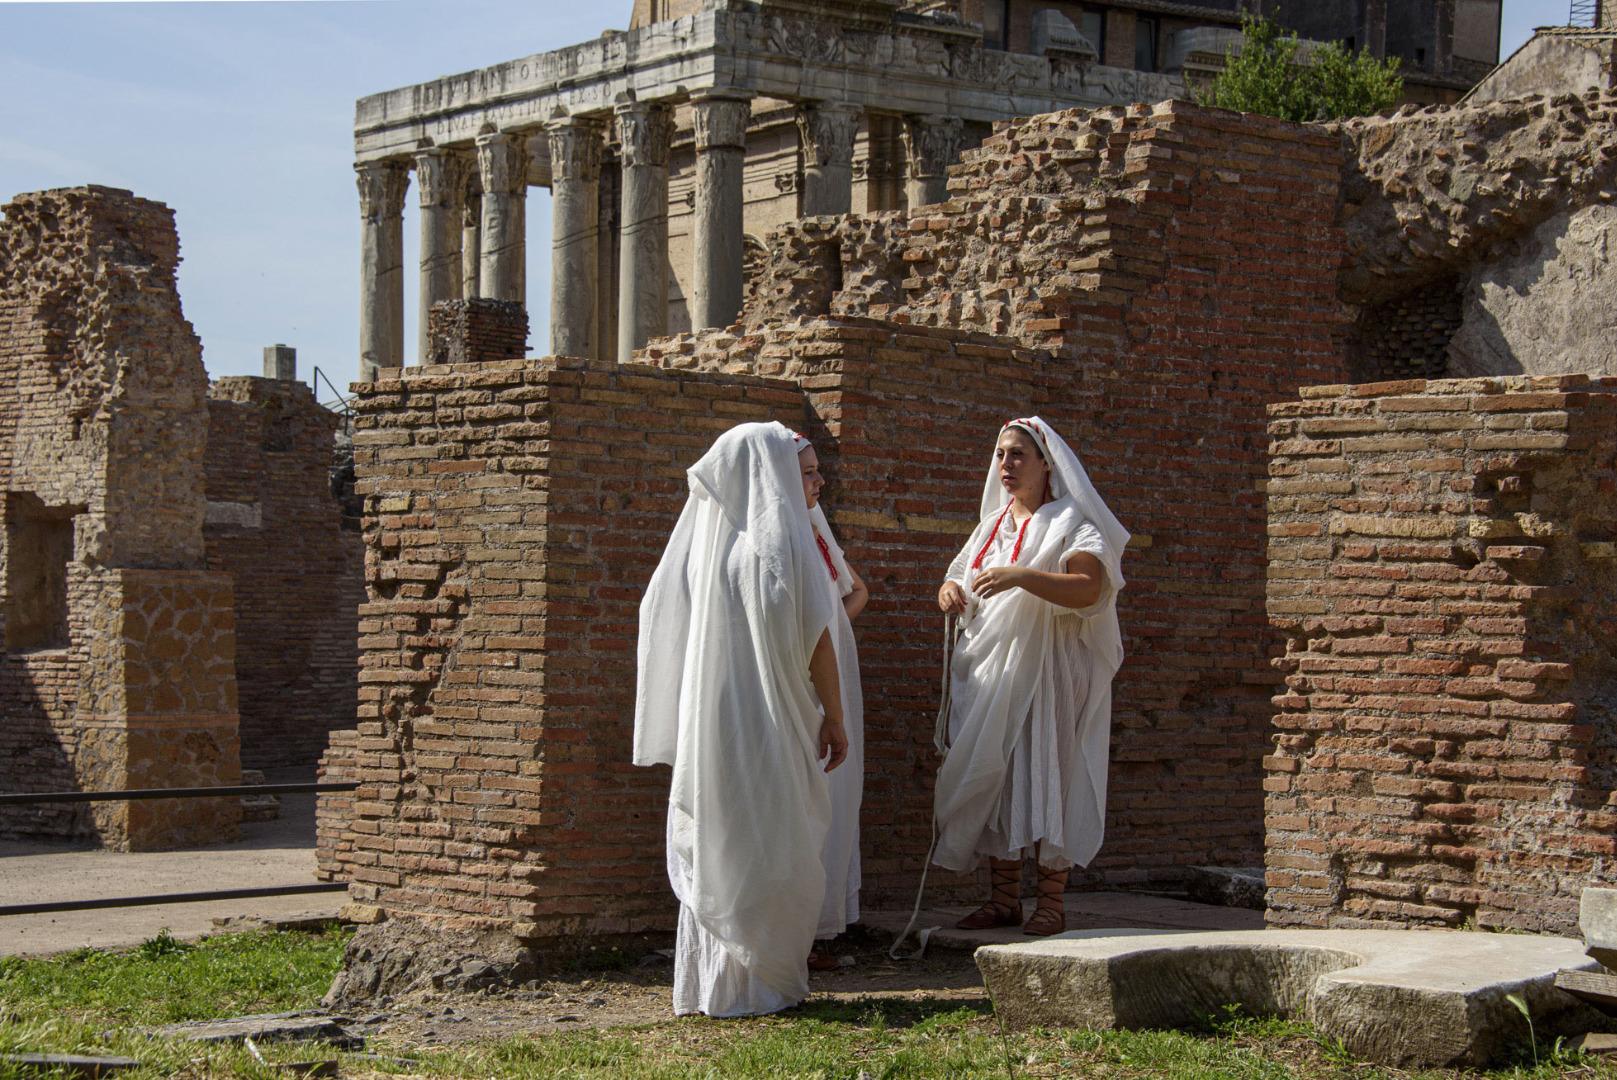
point(1597, 920)
point(57, 1065)
point(1408, 998)
point(267, 1027)
point(1227, 886)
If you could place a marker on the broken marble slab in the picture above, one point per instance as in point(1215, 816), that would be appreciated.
point(1419, 998)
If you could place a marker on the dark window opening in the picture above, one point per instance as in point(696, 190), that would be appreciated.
point(39, 545)
point(1420, 58)
point(1145, 43)
point(997, 24)
point(1092, 24)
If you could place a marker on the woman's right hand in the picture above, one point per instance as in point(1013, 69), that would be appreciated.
point(951, 598)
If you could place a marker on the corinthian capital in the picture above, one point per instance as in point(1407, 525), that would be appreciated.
point(502, 163)
point(828, 131)
point(575, 148)
point(931, 143)
point(720, 119)
point(645, 128)
point(439, 177)
point(382, 185)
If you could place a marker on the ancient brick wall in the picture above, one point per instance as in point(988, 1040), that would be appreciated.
point(1180, 266)
point(1443, 562)
point(101, 456)
point(514, 512)
point(476, 331)
point(274, 527)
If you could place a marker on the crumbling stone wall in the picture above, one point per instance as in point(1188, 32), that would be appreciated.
point(273, 525)
point(131, 681)
point(1156, 295)
point(1509, 198)
point(1179, 264)
point(1443, 562)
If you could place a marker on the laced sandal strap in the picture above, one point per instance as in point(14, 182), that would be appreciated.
point(1045, 921)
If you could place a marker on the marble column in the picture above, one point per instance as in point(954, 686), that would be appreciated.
point(645, 130)
point(931, 145)
point(440, 186)
point(382, 186)
point(471, 229)
point(575, 173)
point(826, 132)
point(502, 166)
point(720, 119)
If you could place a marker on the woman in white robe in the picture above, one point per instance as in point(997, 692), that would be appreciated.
point(1029, 687)
point(737, 690)
point(840, 855)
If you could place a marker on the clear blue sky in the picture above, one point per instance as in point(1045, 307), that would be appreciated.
point(239, 116)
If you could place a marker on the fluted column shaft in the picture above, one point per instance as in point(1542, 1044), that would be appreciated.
point(645, 130)
point(502, 165)
point(575, 173)
point(931, 145)
point(382, 186)
point(721, 138)
point(471, 230)
point(440, 186)
point(826, 132)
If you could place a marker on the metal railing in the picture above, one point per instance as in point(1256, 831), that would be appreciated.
point(1584, 13)
point(28, 798)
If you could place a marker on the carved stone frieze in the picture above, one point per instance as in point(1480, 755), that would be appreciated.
point(720, 120)
point(502, 163)
point(575, 149)
point(931, 143)
point(786, 180)
point(828, 131)
point(645, 128)
point(382, 185)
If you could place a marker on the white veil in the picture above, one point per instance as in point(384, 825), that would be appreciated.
point(727, 626)
point(1001, 672)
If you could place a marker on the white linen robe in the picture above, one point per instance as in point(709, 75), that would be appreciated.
point(727, 627)
point(840, 855)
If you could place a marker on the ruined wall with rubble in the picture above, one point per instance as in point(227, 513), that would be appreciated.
point(273, 525)
point(1443, 563)
point(1179, 264)
point(1507, 204)
point(119, 643)
point(1105, 272)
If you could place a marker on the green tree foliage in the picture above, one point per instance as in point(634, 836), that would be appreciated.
point(1328, 84)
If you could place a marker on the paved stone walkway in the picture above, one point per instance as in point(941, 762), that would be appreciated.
point(279, 852)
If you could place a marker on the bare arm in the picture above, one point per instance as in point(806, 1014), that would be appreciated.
point(1079, 587)
point(856, 600)
point(827, 684)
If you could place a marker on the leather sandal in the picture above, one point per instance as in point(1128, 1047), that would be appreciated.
point(822, 960)
point(1004, 907)
point(1050, 916)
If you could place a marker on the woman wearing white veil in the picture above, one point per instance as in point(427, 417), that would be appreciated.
point(840, 854)
point(738, 691)
point(1029, 688)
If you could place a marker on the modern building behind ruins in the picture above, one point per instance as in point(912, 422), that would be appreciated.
point(672, 148)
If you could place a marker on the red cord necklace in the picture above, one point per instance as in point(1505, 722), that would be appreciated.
point(1016, 552)
point(825, 553)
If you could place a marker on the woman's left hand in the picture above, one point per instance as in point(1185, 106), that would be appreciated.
point(995, 580)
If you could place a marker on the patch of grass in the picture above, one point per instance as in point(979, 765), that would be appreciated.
point(164, 980)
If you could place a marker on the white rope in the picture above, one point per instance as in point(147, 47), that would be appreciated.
point(940, 739)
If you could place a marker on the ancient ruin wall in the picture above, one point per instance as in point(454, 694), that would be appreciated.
point(1180, 266)
point(274, 527)
point(1511, 200)
point(116, 665)
point(1443, 562)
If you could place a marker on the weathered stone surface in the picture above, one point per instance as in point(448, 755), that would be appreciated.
point(401, 956)
point(1547, 304)
point(303, 1026)
point(1429, 191)
point(1403, 998)
point(1229, 886)
point(1597, 921)
point(76, 1065)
